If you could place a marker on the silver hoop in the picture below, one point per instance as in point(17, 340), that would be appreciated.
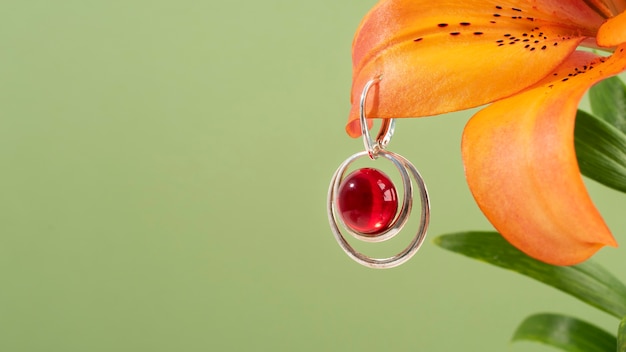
point(405, 167)
point(408, 173)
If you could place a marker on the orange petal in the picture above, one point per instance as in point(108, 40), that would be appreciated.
point(613, 32)
point(441, 56)
point(522, 170)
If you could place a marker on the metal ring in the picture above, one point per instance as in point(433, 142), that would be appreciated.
point(407, 201)
point(405, 167)
point(386, 130)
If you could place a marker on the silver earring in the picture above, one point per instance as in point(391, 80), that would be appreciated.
point(365, 202)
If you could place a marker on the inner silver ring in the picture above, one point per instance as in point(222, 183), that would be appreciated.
point(407, 200)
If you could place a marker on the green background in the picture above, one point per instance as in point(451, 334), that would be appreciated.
point(164, 170)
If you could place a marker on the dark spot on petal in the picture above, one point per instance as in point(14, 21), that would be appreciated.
point(455, 33)
point(564, 79)
point(478, 33)
point(417, 40)
point(442, 25)
point(499, 7)
point(507, 35)
point(499, 41)
point(519, 10)
point(464, 23)
point(524, 34)
point(526, 46)
point(543, 47)
point(531, 49)
point(555, 44)
point(496, 15)
point(492, 21)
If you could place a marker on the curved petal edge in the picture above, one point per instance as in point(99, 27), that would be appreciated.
point(434, 57)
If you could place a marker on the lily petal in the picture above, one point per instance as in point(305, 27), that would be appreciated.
point(441, 56)
point(613, 31)
point(522, 170)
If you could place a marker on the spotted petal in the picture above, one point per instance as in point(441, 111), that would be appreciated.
point(441, 56)
point(522, 170)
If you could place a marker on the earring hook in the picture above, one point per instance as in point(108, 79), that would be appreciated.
point(386, 129)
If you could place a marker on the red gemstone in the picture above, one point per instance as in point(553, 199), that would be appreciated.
point(367, 201)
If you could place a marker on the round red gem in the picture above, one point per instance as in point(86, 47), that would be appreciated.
point(367, 201)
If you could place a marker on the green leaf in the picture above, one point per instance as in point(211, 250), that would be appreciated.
point(566, 333)
point(621, 336)
point(588, 281)
point(608, 102)
point(601, 151)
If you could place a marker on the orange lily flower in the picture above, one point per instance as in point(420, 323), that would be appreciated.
point(434, 57)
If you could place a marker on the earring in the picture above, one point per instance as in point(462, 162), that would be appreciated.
point(365, 202)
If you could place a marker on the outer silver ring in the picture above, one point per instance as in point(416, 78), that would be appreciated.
point(405, 167)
